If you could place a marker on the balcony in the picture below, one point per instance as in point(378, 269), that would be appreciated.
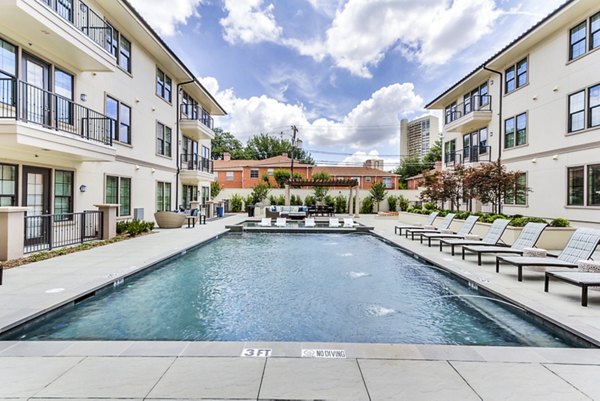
point(194, 168)
point(33, 119)
point(470, 155)
point(196, 123)
point(68, 30)
point(469, 116)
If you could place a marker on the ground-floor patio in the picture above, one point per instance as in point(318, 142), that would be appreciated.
point(293, 371)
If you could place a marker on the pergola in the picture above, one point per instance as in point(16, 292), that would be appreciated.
point(351, 183)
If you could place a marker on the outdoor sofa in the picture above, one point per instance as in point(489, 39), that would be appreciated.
point(286, 211)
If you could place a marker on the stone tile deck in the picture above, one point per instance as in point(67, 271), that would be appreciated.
point(73, 370)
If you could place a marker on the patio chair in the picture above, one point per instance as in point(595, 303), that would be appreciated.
point(581, 246)
point(492, 237)
point(527, 239)
point(349, 222)
point(334, 222)
point(310, 222)
point(583, 279)
point(420, 231)
point(280, 222)
point(265, 222)
point(466, 228)
point(428, 223)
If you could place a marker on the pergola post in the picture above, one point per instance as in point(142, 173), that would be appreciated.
point(287, 194)
point(350, 208)
point(356, 202)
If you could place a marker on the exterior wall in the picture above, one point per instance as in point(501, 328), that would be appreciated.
point(418, 136)
point(139, 160)
point(242, 178)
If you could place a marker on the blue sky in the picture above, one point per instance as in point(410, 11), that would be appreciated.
point(344, 71)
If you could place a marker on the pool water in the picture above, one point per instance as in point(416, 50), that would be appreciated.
point(294, 287)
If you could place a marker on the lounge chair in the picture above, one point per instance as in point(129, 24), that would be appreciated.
point(280, 222)
point(583, 279)
point(428, 223)
point(466, 228)
point(527, 239)
point(420, 231)
point(492, 237)
point(349, 222)
point(265, 222)
point(581, 246)
point(310, 222)
point(334, 222)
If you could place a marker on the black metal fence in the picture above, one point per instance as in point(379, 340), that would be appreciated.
point(194, 112)
point(25, 102)
point(195, 162)
point(471, 154)
point(470, 105)
point(49, 231)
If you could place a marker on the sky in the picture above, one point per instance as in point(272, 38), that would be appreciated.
point(345, 72)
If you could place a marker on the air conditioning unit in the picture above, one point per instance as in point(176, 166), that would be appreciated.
point(138, 213)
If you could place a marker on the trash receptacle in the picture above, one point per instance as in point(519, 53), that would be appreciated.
point(250, 210)
point(219, 211)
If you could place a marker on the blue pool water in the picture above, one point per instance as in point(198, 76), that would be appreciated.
point(294, 287)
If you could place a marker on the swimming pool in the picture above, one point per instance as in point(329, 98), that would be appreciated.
point(294, 287)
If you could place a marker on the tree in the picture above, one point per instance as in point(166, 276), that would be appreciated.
point(215, 189)
point(378, 193)
point(409, 167)
point(263, 146)
point(321, 192)
point(226, 142)
point(433, 155)
point(259, 193)
point(433, 191)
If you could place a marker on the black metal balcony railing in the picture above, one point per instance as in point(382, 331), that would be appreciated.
point(471, 154)
point(193, 112)
point(196, 163)
point(85, 19)
point(22, 101)
point(476, 103)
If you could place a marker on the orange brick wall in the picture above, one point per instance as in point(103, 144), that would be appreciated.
point(243, 179)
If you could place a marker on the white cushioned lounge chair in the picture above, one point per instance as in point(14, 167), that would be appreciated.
point(492, 237)
point(466, 229)
point(430, 219)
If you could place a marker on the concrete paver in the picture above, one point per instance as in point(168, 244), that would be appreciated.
point(211, 378)
point(584, 378)
point(414, 380)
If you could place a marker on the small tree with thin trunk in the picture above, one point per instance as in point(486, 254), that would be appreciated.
point(378, 193)
point(491, 182)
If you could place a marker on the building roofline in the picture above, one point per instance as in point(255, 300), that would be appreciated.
point(171, 52)
point(503, 50)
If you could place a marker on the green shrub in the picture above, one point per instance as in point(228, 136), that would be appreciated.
point(134, 227)
point(277, 200)
point(518, 222)
point(295, 200)
point(329, 201)
point(366, 206)
point(310, 200)
point(403, 203)
point(340, 204)
point(490, 218)
point(463, 215)
point(235, 203)
point(215, 189)
point(560, 222)
point(248, 201)
point(429, 206)
point(392, 202)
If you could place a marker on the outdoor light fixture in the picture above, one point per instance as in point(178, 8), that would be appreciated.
point(83, 97)
point(82, 188)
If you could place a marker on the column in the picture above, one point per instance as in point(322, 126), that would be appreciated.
point(350, 204)
point(287, 194)
point(12, 233)
point(357, 202)
point(109, 219)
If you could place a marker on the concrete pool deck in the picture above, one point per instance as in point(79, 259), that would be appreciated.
point(208, 370)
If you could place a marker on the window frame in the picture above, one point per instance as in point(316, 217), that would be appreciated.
point(590, 108)
point(595, 32)
point(253, 171)
point(572, 113)
point(516, 76)
point(229, 175)
point(572, 44)
point(69, 197)
point(571, 188)
point(586, 191)
point(14, 196)
point(114, 47)
point(515, 131)
point(124, 209)
point(162, 85)
point(119, 123)
point(162, 196)
point(164, 140)
point(512, 199)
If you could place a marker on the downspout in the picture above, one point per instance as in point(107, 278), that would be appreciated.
point(177, 161)
point(499, 124)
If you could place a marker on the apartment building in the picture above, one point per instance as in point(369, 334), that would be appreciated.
point(418, 136)
point(95, 108)
point(535, 105)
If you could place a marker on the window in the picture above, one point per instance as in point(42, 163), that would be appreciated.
point(8, 67)
point(575, 186)
point(577, 41)
point(483, 93)
point(450, 113)
point(483, 141)
point(190, 193)
point(450, 151)
point(583, 185)
point(229, 175)
point(205, 195)
point(163, 85)
point(367, 179)
point(120, 48)
point(121, 114)
point(8, 185)
point(63, 194)
point(270, 171)
point(189, 107)
point(163, 196)
point(595, 31)
point(254, 173)
point(515, 131)
point(577, 111)
point(163, 140)
point(594, 106)
point(387, 182)
point(515, 76)
point(63, 86)
point(118, 190)
point(520, 190)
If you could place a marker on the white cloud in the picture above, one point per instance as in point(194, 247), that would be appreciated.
point(248, 21)
point(373, 121)
point(165, 15)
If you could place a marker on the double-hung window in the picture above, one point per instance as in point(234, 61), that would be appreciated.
point(584, 109)
point(583, 185)
point(8, 185)
point(516, 76)
point(595, 31)
point(8, 68)
point(254, 173)
point(120, 48)
point(121, 114)
point(163, 140)
point(118, 190)
point(583, 33)
point(163, 196)
point(515, 131)
point(63, 194)
point(163, 85)
point(517, 196)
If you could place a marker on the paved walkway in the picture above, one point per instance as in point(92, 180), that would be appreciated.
point(217, 371)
